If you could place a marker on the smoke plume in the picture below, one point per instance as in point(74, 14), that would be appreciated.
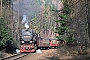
point(25, 21)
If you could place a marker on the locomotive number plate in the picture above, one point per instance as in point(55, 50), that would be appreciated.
point(26, 46)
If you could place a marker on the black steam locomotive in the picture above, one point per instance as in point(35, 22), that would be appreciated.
point(28, 41)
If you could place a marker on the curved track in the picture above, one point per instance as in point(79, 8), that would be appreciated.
point(15, 57)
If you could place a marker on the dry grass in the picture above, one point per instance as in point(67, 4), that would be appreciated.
point(74, 53)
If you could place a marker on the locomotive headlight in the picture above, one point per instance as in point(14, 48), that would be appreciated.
point(31, 41)
point(22, 41)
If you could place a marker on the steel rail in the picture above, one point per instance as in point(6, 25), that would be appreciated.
point(15, 57)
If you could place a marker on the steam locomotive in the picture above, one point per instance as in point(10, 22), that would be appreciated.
point(28, 41)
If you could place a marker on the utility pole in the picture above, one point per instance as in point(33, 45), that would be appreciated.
point(1, 8)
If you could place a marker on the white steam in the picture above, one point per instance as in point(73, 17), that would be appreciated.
point(26, 25)
point(24, 19)
point(25, 22)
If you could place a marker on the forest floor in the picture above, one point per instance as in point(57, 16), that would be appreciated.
point(56, 54)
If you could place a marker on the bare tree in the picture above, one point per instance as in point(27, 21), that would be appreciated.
point(1, 8)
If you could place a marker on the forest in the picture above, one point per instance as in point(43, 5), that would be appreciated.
point(67, 20)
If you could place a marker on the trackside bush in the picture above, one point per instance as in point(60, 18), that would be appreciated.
point(4, 35)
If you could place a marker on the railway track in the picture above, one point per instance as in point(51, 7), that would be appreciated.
point(15, 57)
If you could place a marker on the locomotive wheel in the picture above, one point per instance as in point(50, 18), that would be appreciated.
point(56, 47)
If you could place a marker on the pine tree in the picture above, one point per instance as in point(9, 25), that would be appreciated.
point(4, 33)
point(63, 18)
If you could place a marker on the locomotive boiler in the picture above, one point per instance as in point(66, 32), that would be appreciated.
point(28, 41)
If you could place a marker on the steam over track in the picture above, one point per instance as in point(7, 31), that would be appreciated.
point(16, 57)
